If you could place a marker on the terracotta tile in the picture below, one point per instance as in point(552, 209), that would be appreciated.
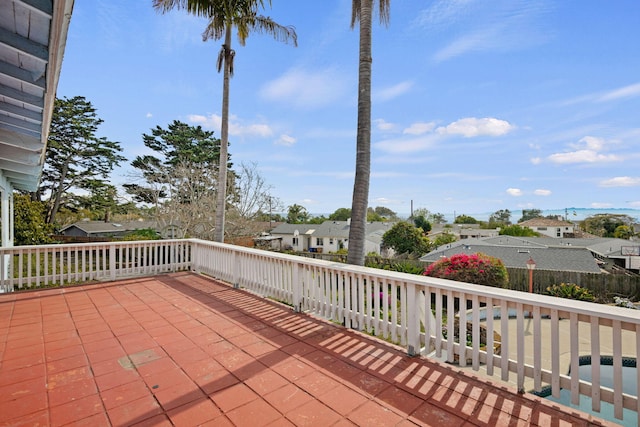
point(343, 399)
point(97, 420)
point(156, 366)
point(194, 413)
point(64, 353)
point(293, 369)
point(16, 375)
point(125, 393)
point(17, 390)
point(265, 382)
point(178, 395)
point(135, 411)
point(400, 400)
point(287, 398)
point(256, 413)
point(233, 397)
point(368, 383)
point(76, 410)
point(316, 383)
point(63, 378)
point(116, 378)
point(215, 381)
point(15, 418)
point(160, 420)
point(106, 354)
point(158, 380)
point(201, 367)
point(75, 390)
point(373, 414)
point(313, 413)
point(22, 405)
point(432, 415)
point(72, 362)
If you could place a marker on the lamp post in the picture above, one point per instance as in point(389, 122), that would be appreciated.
point(531, 265)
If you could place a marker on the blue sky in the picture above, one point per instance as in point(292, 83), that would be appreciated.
point(477, 105)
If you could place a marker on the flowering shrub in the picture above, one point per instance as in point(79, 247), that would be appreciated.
point(570, 291)
point(478, 268)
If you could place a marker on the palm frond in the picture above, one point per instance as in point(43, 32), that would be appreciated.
point(383, 11)
point(266, 25)
point(220, 60)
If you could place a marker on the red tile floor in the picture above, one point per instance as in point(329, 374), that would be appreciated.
point(184, 350)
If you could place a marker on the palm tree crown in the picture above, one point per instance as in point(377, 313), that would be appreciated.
point(223, 15)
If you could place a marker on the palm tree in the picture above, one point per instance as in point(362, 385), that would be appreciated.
point(362, 12)
point(223, 15)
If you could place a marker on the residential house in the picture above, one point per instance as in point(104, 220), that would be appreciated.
point(515, 252)
point(101, 230)
point(550, 227)
point(330, 236)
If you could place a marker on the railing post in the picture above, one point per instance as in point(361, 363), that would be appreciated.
point(112, 261)
point(235, 260)
point(413, 320)
point(297, 286)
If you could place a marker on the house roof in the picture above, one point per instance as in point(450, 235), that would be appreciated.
point(545, 222)
point(335, 229)
point(514, 253)
point(33, 37)
point(286, 228)
point(93, 227)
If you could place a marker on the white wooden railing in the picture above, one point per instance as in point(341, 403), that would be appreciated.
point(534, 341)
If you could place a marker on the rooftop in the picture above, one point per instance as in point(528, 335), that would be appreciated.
point(182, 349)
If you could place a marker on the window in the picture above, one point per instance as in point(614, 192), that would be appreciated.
point(558, 232)
point(319, 241)
point(331, 240)
point(295, 241)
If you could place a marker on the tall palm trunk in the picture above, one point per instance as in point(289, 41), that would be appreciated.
point(360, 199)
point(221, 196)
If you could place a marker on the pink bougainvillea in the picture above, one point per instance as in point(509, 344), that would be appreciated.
point(477, 268)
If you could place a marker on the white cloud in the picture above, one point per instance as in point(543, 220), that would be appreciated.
point(542, 192)
point(621, 181)
point(623, 92)
point(419, 128)
point(410, 145)
point(286, 140)
point(392, 91)
point(587, 150)
point(382, 124)
point(516, 192)
point(508, 25)
point(599, 205)
point(236, 128)
point(472, 126)
point(306, 88)
point(536, 160)
point(148, 115)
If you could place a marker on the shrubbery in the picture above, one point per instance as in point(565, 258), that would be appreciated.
point(570, 291)
point(478, 268)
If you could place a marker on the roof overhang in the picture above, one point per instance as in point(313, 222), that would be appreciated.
point(33, 35)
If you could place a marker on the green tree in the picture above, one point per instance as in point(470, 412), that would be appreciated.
point(223, 16)
point(421, 222)
point(605, 225)
point(528, 214)
point(385, 213)
point(500, 218)
point(443, 239)
point(362, 13)
point(297, 214)
point(477, 268)
point(340, 214)
point(465, 219)
point(29, 226)
point(404, 238)
point(623, 232)
point(76, 158)
point(517, 230)
point(179, 179)
point(373, 216)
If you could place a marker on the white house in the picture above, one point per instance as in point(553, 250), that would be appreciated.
point(330, 236)
point(550, 227)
